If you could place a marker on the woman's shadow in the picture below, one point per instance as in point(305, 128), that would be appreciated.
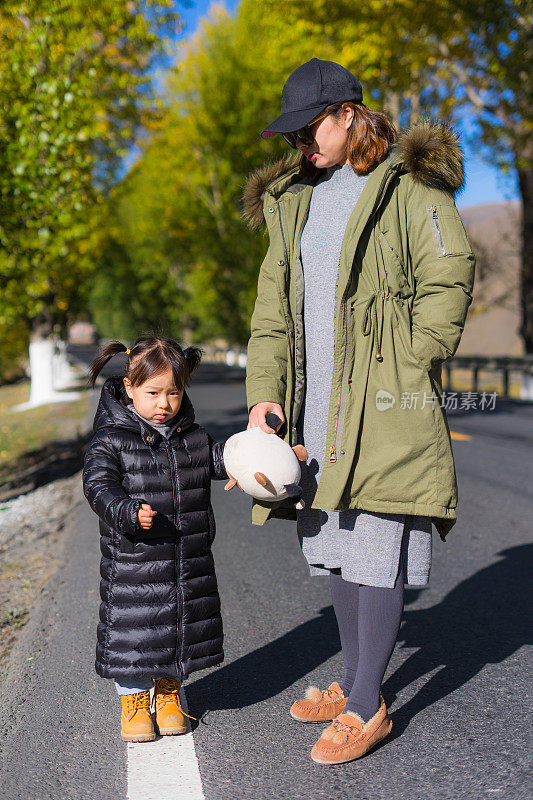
point(483, 620)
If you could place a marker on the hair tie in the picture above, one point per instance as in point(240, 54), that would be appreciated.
point(128, 351)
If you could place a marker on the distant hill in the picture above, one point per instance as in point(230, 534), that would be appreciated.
point(494, 316)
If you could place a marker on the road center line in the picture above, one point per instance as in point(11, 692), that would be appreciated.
point(460, 437)
point(165, 768)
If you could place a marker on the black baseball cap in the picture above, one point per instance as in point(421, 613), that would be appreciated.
point(309, 90)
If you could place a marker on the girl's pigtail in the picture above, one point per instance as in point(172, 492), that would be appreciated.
point(193, 356)
point(110, 350)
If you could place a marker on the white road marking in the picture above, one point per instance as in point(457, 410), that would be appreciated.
point(167, 768)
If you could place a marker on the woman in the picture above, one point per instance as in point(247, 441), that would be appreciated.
point(362, 295)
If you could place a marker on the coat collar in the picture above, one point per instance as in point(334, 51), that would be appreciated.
point(431, 152)
point(112, 412)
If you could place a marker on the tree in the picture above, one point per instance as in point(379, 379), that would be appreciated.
point(136, 284)
point(74, 80)
point(216, 107)
point(489, 66)
point(177, 215)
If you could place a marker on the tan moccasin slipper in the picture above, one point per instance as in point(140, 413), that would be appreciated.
point(319, 705)
point(350, 737)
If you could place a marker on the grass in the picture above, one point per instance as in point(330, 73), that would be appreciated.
point(9, 569)
point(22, 432)
point(13, 618)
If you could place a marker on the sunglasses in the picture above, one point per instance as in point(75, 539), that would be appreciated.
point(303, 134)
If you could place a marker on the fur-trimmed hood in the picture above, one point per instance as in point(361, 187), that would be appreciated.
point(431, 152)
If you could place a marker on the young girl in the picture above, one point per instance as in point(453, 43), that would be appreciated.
point(147, 476)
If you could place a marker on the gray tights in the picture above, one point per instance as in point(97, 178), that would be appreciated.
point(369, 620)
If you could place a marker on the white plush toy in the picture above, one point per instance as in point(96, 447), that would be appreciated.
point(263, 465)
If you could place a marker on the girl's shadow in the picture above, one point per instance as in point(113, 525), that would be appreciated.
point(269, 670)
point(483, 620)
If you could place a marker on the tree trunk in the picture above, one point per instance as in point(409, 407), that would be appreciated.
point(41, 361)
point(42, 354)
point(392, 108)
point(41, 371)
point(525, 179)
point(63, 375)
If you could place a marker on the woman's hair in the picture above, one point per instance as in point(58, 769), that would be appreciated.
point(149, 356)
point(371, 137)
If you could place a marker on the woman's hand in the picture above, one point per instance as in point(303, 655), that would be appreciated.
point(145, 516)
point(257, 416)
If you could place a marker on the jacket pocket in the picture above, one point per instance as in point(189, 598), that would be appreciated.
point(413, 351)
point(449, 235)
point(404, 324)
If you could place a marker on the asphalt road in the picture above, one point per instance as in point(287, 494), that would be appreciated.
point(458, 685)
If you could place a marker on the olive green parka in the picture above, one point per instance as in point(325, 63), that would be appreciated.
point(404, 286)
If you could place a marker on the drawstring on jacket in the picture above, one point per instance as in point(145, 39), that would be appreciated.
point(369, 323)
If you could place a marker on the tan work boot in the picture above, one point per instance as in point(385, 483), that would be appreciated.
point(136, 721)
point(169, 715)
point(319, 706)
point(350, 737)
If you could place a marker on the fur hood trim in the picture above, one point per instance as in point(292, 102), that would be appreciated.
point(257, 183)
point(430, 151)
point(432, 154)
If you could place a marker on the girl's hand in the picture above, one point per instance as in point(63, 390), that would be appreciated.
point(145, 516)
point(257, 416)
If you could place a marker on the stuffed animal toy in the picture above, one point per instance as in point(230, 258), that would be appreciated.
point(263, 465)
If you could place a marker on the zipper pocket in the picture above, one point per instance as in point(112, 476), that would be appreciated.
point(436, 230)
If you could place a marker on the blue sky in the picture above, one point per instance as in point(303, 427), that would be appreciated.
point(484, 183)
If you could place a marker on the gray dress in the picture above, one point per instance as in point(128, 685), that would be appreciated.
point(364, 546)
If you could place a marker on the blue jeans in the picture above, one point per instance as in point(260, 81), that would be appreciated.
point(133, 687)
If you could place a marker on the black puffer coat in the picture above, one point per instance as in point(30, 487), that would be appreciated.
point(160, 609)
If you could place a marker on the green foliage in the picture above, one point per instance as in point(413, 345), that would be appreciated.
point(488, 63)
point(13, 346)
point(73, 79)
point(179, 210)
